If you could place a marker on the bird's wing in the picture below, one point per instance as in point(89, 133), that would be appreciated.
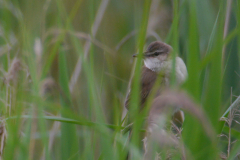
point(148, 79)
point(143, 97)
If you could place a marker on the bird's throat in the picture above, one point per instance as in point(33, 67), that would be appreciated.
point(154, 64)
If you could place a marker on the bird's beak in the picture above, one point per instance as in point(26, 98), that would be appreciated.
point(135, 55)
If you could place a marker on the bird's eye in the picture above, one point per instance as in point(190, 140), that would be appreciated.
point(156, 53)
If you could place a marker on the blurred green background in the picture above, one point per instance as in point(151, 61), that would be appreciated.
point(73, 58)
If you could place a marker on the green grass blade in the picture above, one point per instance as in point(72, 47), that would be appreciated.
point(69, 140)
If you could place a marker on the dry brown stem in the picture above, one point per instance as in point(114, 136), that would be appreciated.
point(3, 137)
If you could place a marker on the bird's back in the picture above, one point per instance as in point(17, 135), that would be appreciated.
point(148, 78)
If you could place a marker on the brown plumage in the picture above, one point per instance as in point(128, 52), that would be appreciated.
point(149, 76)
point(147, 82)
point(158, 67)
point(160, 46)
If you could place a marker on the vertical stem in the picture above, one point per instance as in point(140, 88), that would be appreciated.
point(175, 40)
point(230, 124)
point(135, 101)
point(226, 26)
point(87, 46)
point(229, 137)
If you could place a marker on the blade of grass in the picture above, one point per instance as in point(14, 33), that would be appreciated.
point(82, 122)
point(175, 40)
point(233, 105)
point(196, 139)
point(69, 140)
point(234, 151)
point(238, 26)
point(135, 92)
point(226, 26)
point(87, 46)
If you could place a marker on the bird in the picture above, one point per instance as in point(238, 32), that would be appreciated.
point(158, 62)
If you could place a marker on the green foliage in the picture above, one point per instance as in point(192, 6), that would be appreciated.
point(66, 98)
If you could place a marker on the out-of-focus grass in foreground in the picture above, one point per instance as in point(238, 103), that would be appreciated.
point(65, 68)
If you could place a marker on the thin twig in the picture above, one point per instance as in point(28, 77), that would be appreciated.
point(124, 39)
point(154, 34)
point(133, 33)
point(92, 40)
point(109, 74)
point(79, 35)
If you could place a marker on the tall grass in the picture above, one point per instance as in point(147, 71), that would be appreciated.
point(65, 68)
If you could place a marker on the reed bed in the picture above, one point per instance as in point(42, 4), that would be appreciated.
point(65, 68)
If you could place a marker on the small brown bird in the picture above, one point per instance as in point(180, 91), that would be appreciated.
point(158, 60)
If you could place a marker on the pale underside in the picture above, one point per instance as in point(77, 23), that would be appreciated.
point(153, 67)
point(165, 67)
point(156, 130)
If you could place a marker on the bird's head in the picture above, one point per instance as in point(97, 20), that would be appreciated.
point(156, 53)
